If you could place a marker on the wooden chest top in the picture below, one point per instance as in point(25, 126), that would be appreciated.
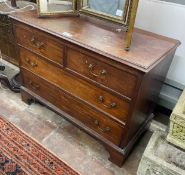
point(146, 51)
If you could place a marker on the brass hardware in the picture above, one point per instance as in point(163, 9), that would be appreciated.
point(39, 44)
point(33, 64)
point(30, 82)
point(104, 72)
point(101, 98)
point(91, 68)
point(36, 43)
point(27, 60)
point(112, 105)
point(96, 122)
point(33, 39)
point(128, 40)
point(106, 129)
point(34, 87)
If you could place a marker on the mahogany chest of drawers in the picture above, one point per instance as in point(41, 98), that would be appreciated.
point(89, 79)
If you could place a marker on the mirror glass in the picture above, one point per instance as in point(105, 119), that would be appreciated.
point(55, 6)
point(112, 9)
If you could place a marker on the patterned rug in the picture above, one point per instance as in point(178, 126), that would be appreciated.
point(21, 155)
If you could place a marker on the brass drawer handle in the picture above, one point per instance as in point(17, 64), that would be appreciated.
point(34, 87)
point(27, 60)
point(106, 129)
point(91, 68)
point(112, 105)
point(96, 122)
point(32, 64)
point(36, 43)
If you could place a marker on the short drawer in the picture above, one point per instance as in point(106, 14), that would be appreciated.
point(91, 118)
point(112, 105)
point(40, 42)
point(116, 79)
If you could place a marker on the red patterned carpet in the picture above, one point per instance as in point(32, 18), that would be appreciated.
point(21, 155)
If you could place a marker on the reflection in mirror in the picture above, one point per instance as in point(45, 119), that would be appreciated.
point(111, 7)
point(55, 6)
point(117, 9)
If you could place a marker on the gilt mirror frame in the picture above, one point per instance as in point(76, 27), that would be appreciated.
point(131, 22)
point(73, 11)
point(123, 19)
point(127, 20)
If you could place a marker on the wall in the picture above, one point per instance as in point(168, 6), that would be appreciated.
point(167, 19)
point(176, 1)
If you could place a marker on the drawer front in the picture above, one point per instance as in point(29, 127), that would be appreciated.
point(104, 101)
point(92, 119)
point(40, 43)
point(116, 79)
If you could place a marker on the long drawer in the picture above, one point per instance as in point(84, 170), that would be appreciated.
point(40, 42)
point(91, 118)
point(114, 106)
point(119, 80)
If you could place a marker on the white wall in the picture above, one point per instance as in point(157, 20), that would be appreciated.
point(176, 1)
point(167, 19)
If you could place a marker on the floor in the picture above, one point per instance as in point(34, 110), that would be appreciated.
point(76, 148)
